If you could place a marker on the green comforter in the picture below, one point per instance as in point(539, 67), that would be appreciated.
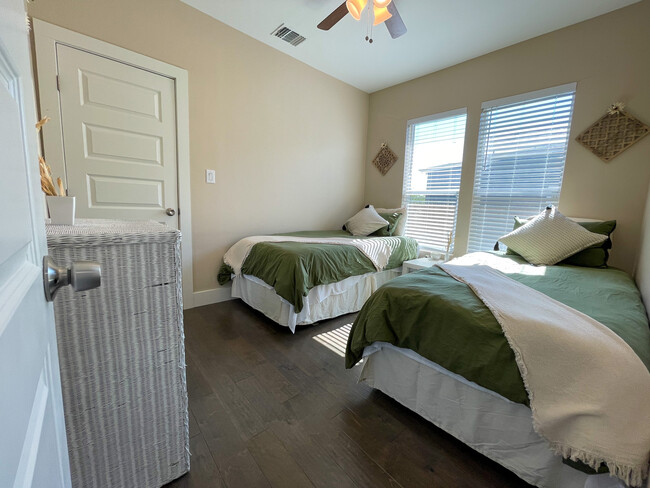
point(294, 268)
point(442, 319)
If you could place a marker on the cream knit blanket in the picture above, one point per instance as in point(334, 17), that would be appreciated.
point(377, 249)
point(589, 392)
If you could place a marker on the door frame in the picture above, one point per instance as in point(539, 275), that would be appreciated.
point(46, 38)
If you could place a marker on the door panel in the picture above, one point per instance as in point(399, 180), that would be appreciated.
point(120, 146)
point(116, 193)
point(33, 446)
point(119, 133)
point(120, 95)
point(17, 200)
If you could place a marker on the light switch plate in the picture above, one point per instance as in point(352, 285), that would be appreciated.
point(210, 176)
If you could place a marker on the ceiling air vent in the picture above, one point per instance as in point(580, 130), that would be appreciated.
point(288, 35)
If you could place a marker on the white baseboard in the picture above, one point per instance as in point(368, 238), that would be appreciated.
point(216, 295)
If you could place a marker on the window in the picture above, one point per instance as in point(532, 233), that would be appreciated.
point(434, 157)
point(520, 161)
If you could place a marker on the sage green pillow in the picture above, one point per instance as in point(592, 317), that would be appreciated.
point(388, 230)
point(595, 256)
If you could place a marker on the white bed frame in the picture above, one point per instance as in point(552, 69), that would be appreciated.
point(323, 301)
point(484, 420)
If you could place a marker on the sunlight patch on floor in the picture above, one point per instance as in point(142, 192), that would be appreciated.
point(336, 339)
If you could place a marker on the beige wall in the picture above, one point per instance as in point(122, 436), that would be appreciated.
point(287, 141)
point(607, 56)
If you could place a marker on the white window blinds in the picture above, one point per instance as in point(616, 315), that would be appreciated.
point(434, 156)
point(520, 161)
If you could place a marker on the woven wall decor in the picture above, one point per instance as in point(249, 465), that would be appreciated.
point(385, 159)
point(613, 133)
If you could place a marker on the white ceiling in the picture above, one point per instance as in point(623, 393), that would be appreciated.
point(441, 33)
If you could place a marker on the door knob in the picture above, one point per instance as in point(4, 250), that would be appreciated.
point(170, 211)
point(82, 275)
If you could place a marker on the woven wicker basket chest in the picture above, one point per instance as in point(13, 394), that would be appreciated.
point(122, 355)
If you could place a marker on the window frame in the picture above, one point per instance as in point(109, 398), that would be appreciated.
point(408, 162)
point(569, 88)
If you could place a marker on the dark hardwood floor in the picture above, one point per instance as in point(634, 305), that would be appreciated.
point(270, 408)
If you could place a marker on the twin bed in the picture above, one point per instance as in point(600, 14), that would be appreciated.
point(316, 276)
point(428, 341)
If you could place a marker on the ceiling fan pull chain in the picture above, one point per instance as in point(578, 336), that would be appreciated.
point(367, 31)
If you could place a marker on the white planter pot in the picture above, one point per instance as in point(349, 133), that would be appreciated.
point(61, 210)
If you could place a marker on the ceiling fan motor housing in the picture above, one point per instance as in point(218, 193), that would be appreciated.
point(383, 11)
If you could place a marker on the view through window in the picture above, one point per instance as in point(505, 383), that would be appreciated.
point(432, 169)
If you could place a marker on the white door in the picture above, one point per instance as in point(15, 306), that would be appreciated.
point(33, 451)
point(119, 138)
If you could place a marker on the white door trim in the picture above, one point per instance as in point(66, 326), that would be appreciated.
point(46, 37)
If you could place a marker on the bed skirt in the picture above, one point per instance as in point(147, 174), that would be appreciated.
point(500, 429)
point(323, 301)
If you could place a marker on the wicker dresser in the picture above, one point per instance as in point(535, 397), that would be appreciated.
point(122, 355)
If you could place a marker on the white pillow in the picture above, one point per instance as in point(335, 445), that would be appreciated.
point(365, 222)
point(549, 238)
point(401, 224)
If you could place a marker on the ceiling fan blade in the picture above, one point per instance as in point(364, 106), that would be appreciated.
point(395, 24)
point(331, 20)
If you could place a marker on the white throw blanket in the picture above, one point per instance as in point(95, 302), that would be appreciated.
point(589, 392)
point(377, 249)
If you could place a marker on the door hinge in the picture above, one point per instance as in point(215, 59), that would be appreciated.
point(58, 86)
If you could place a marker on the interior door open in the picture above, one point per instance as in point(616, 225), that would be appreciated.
point(33, 450)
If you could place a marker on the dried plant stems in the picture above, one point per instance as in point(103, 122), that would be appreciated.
point(59, 182)
point(47, 185)
point(47, 182)
point(41, 123)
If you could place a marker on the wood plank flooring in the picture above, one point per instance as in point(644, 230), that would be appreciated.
point(272, 409)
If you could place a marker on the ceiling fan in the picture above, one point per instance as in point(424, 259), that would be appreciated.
point(380, 10)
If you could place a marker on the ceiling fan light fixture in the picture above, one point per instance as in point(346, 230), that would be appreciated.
point(381, 15)
point(381, 3)
point(355, 7)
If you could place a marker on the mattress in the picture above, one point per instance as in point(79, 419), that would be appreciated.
point(491, 424)
point(322, 302)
